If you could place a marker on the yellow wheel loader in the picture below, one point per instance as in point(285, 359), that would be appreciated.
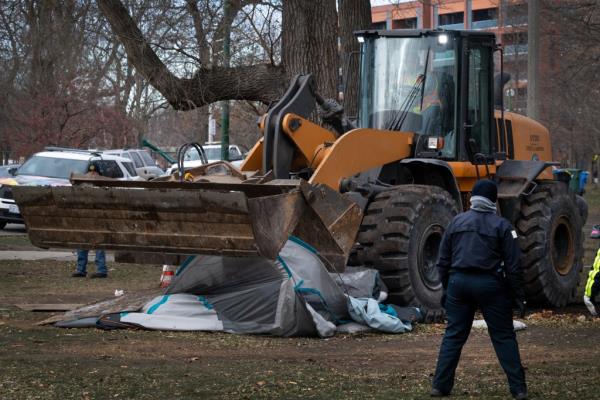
point(377, 190)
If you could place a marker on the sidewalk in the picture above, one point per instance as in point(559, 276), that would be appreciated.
point(47, 255)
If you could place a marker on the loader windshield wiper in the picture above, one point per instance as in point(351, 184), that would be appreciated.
point(398, 118)
point(424, 78)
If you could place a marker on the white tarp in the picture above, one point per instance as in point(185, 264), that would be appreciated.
point(176, 312)
point(367, 312)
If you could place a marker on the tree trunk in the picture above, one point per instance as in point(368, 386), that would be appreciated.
point(309, 42)
point(354, 15)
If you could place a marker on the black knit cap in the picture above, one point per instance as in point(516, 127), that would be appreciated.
point(486, 188)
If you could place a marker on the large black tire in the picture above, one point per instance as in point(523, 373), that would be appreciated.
point(400, 236)
point(583, 208)
point(551, 240)
point(3, 224)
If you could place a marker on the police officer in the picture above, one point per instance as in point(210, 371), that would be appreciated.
point(479, 267)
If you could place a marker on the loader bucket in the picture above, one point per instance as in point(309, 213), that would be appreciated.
point(240, 219)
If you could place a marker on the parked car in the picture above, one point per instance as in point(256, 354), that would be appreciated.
point(54, 167)
point(213, 153)
point(144, 164)
point(8, 170)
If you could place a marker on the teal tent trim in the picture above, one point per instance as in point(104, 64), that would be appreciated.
point(184, 265)
point(303, 244)
point(386, 308)
point(205, 302)
point(160, 303)
point(285, 266)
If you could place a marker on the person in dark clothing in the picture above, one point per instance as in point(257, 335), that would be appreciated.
point(479, 265)
point(82, 255)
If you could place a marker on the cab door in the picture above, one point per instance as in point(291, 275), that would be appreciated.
point(477, 99)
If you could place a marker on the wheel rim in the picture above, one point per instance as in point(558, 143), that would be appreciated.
point(428, 252)
point(563, 250)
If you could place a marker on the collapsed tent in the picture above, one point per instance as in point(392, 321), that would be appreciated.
point(294, 295)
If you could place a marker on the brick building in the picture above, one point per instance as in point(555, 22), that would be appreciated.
point(508, 19)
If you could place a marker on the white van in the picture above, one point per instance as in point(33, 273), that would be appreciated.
point(142, 160)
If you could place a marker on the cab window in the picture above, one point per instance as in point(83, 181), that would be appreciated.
point(479, 98)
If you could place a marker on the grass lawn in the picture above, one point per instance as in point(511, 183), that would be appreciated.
point(41, 362)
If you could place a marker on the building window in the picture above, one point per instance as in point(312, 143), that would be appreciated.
point(447, 20)
point(379, 26)
point(515, 15)
point(515, 44)
point(486, 18)
point(406, 23)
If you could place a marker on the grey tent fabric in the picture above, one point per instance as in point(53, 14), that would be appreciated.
point(250, 295)
point(362, 282)
point(294, 295)
point(313, 281)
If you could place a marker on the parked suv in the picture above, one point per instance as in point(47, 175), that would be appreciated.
point(54, 167)
point(142, 160)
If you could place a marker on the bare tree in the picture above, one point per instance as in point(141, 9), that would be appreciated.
point(571, 37)
point(354, 15)
point(206, 86)
point(309, 44)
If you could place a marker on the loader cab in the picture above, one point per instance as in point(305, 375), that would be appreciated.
point(437, 84)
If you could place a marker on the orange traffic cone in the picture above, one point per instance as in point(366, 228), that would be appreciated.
point(167, 275)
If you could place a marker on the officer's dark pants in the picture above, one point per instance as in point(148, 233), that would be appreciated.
point(466, 292)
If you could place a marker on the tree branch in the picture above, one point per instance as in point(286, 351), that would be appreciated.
point(258, 82)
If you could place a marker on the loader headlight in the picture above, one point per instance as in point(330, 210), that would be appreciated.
point(360, 39)
point(443, 39)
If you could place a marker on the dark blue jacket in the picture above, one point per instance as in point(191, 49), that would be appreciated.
point(483, 241)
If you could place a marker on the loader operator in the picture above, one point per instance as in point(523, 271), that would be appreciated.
point(479, 266)
point(436, 109)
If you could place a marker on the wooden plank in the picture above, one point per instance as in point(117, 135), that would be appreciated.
point(48, 307)
point(143, 226)
point(48, 211)
point(249, 189)
point(142, 241)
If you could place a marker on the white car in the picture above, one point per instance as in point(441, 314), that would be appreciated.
point(54, 168)
point(142, 160)
point(213, 153)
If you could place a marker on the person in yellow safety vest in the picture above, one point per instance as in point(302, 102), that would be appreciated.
point(431, 96)
point(431, 92)
point(592, 287)
point(431, 108)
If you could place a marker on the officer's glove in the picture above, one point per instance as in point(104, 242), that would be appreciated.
point(590, 306)
point(521, 305)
